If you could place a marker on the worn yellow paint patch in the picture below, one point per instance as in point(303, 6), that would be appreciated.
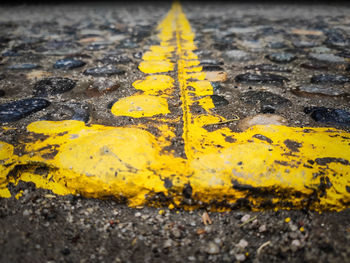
point(154, 84)
point(140, 106)
point(48, 127)
point(266, 166)
point(6, 158)
point(156, 66)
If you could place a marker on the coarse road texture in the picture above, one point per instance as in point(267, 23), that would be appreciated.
point(209, 107)
point(267, 165)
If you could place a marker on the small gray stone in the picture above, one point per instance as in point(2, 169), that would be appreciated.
point(329, 79)
point(326, 58)
point(261, 119)
point(322, 90)
point(265, 98)
point(212, 248)
point(176, 232)
point(168, 243)
point(242, 243)
point(281, 57)
point(53, 86)
point(26, 212)
point(23, 66)
point(116, 59)
point(103, 71)
point(321, 50)
point(268, 67)
point(237, 55)
point(219, 101)
point(295, 245)
point(16, 110)
point(262, 228)
point(304, 44)
point(242, 30)
point(68, 63)
point(261, 79)
point(328, 115)
point(245, 218)
point(240, 257)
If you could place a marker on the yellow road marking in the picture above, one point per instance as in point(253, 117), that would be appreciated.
point(266, 166)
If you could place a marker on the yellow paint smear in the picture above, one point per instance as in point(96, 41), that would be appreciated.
point(140, 106)
point(173, 159)
point(156, 66)
point(154, 84)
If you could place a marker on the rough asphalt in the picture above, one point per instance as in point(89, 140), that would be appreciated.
point(287, 60)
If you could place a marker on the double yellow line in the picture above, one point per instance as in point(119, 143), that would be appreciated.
point(266, 166)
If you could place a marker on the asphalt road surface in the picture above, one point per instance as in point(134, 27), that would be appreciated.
point(85, 66)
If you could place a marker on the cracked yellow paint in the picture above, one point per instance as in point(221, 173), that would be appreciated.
point(173, 158)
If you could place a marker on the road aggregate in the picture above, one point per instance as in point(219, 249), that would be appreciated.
point(276, 63)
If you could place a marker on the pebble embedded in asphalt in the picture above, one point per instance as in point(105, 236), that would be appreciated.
point(68, 63)
point(329, 79)
point(103, 45)
point(260, 78)
point(16, 110)
point(103, 71)
point(281, 57)
point(53, 86)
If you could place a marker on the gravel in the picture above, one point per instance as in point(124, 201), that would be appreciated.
point(40, 226)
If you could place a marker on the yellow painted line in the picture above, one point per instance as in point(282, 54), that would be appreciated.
point(266, 166)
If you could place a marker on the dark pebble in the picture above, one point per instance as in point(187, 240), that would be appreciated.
point(304, 44)
point(16, 110)
point(267, 109)
point(65, 251)
point(219, 101)
point(4, 40)
point(212, 68)
point(103, 71)
point(319, 90)
point(314, 66)
point(23, 66)
point(224, 44)
point(68, 63)
point(68, 111)
point(53, 86)
point(260, 78)
point(115, 59)
point(329, 79)
point(203, 53)
point(281, 57)
point(58, 113)
point(11, 53)
point(140, 32)
point(81, 112)
point(344, 54)
point(268, 101)
point(276, 45)
point(217, 87)
point(58, 45)
point(211, 62)
point(327, 58)
point(268, 67)
point(2, 93)
point(138, 55)
point(326, 115)
point(335, 38)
